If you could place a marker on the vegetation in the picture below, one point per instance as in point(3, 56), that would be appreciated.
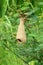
point(11, 51)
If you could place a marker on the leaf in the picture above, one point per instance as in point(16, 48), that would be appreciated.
point(31, 12)
point(40, 47)
point(24, 8)
point(40, 3)
point(3, 7)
